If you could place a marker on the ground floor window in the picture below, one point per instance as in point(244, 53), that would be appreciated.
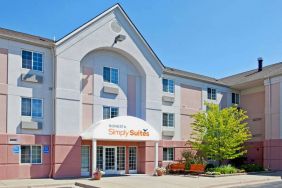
point(31, 154)
point(168, 154)
point(120, 158)
point(100, 157)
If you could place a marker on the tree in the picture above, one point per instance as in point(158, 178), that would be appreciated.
point(220, 134)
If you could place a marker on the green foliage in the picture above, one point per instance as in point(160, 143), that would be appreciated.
point(224, 169)
point(209, 166)
point(191, 158)
point(220, 134)
point(252, 168)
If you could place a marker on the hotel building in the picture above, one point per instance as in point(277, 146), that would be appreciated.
point(100, 98)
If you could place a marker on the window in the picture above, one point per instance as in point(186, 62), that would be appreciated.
point(32, 60)
point(168, 120)
point(211, 93)
point(168, 154)
point(235, 98)
point(110, 112)
point(31, 154)
point(110, 75)
point(168, 86)
point(32, 107)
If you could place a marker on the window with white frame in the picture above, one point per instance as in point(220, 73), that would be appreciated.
point(110, 75)
point(168, 154)
point(32, 60)
point(211, 93)
point(31, 154)
point(235, 98)
point(168, 85)
point(32, 107)
point(110, 112)
point(168, 120)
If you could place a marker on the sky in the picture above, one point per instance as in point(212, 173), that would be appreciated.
point(216, 38)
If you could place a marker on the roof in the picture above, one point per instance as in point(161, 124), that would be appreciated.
point(190, 75)
point(16, 35)
point(253, 75)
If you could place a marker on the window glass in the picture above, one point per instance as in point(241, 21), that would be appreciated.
point(235, 98)
point(106, 74)
point(114, 76)
point(114, 112)
point(25, 154)
point(26, 107)
point(168, 120)
point(37, 61)
point(36, 108)
point(168, 86)
point(168, 154)
point(211, 93)
point(26, 59)
point(36, 154)
point(106, 112)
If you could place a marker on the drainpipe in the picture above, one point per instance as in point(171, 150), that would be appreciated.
point(270, 120)
point(54, 110)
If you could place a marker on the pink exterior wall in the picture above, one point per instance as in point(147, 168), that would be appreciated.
point(254, 105)
point(87, 88)
point(272, 111)
point(273, 154)
point(191, 102)
point(3, 89)
point(67, 156)
point(10, 166)
point(131, 95)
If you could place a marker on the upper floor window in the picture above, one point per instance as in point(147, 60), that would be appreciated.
point(168, 85)
point(32, 107)
point(168, 120)
point(235, 98)
point(32, 60)
point(211, 93)
point(168, 154)
point(110, 112)
point(31, 154)
point(110, 75)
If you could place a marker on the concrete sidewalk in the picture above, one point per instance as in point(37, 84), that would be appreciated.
point(141, 181)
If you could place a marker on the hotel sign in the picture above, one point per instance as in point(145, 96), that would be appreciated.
point(122, 128)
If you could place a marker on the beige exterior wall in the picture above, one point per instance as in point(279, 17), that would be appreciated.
point(191, 102)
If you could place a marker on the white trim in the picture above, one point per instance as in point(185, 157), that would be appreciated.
point(111, 75)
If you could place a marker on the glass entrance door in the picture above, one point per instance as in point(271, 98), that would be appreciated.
point(132, 161)
point(110, 160)
point(85, 161)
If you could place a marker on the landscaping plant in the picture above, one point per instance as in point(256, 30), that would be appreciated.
point(252, 168)
point(220, 134)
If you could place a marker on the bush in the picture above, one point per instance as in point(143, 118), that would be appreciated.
point(209, 166)
point(213, 173)
point(252, 168)
point(191, 158)
point(224, 169)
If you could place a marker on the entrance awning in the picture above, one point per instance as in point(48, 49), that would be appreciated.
point(121, 128)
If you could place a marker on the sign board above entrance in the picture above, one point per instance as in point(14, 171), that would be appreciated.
point(121, 128)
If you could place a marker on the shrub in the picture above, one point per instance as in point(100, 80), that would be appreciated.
point(208, 166)
point(213, 173)
point(191, 158)
point(224, 169)
point(252, 168)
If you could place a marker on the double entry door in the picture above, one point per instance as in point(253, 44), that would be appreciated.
point(112, 159)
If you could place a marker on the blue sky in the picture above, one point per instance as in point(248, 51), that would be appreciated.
point(215, 38)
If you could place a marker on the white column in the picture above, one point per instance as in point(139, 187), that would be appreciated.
point(94, 155)
point(156, 154)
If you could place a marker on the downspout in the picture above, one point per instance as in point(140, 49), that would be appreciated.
point(270, 120)
point(54, 111)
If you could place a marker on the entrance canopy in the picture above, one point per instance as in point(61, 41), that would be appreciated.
point(121, 128)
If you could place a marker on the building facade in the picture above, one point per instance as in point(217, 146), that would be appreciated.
point(100, 98)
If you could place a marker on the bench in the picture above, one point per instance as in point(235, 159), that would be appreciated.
point(177, 167)
point(197, 168)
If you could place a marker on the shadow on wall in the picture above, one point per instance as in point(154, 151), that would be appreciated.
point(67, 160)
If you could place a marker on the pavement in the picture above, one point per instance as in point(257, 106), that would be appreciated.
point(141, 181)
